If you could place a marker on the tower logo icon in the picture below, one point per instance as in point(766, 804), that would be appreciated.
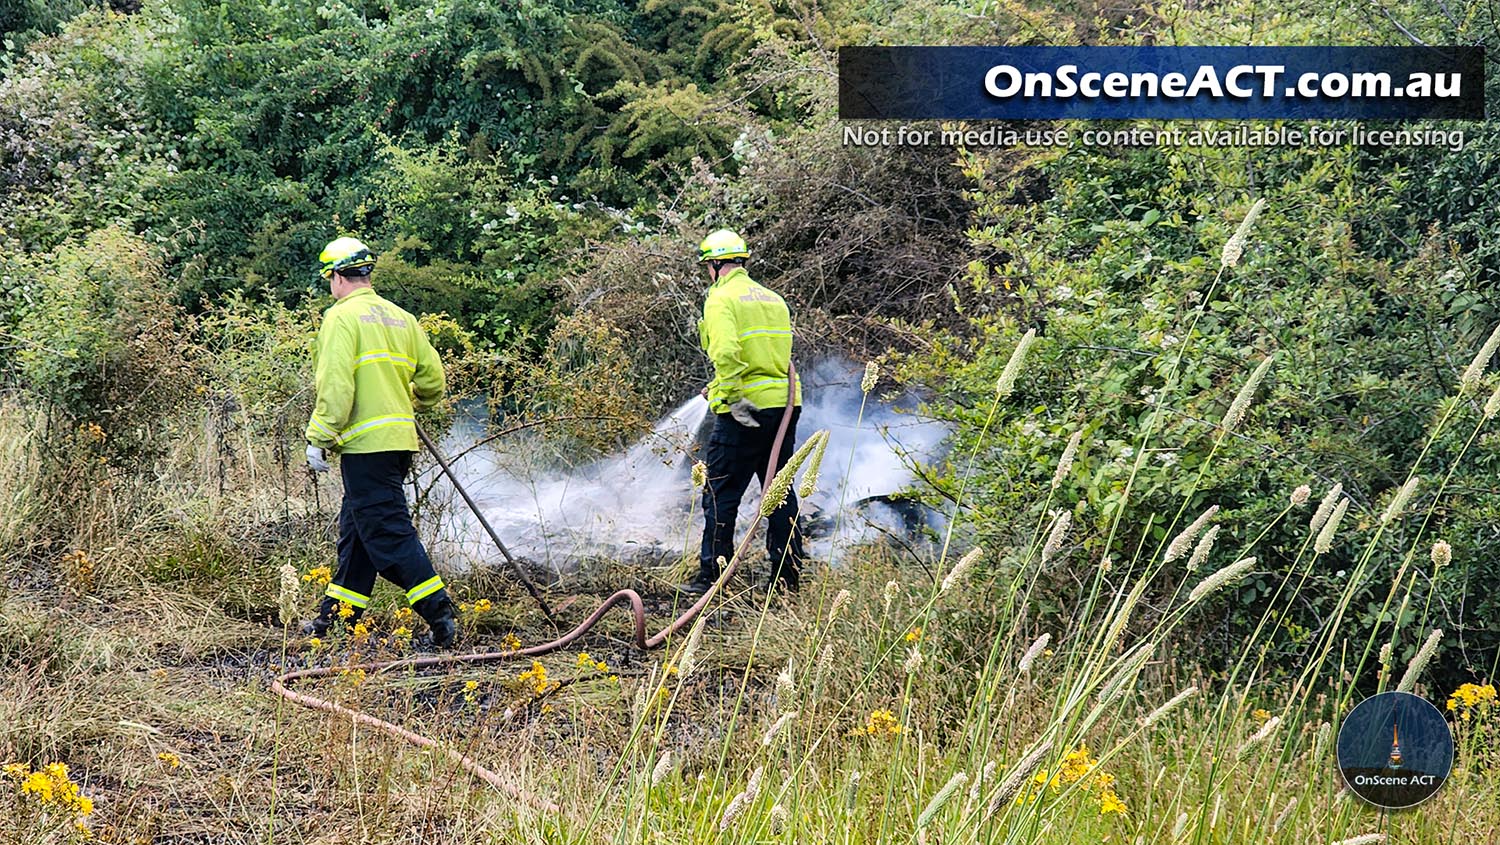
point(1395, 750)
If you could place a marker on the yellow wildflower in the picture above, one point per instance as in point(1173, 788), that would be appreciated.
point(536, 678)
point(361, 632)
point(483, 606)
point(880, 723)
point(1470, 698)
point(914, 634)
point(355, 676)
point(319, 575)
point(170, 760)
point(510, 642)
point(1109, 802)
point(1076, 766)
point(403, 615)
point(314, 643)
point(471, 685)
point(401, 634)
point(587, 662)
point(346, 610)
point(16, 771)
point(1261, 716)
point(38, 785)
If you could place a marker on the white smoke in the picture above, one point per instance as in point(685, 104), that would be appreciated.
point(640, 505)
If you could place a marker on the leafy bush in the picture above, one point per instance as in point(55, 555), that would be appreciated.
point(101, 342)
point(1114, 263)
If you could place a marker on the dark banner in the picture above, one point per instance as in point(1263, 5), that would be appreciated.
point(1040, 83)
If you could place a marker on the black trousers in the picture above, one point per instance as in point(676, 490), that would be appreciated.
point(736, 453)
point(376, 536)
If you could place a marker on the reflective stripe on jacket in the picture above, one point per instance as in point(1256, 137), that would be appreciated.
point(747, 332)
point(374, 365)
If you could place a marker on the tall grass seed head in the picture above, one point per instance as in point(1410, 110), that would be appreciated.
point(662, 768)
point(700, 474)
point(840, 600)
point(1241, 403)
point(1183, 541)
point(781, 485)
point(1475, 371)
point(1235, 246)
point(1492, 404)
point(288, 599)
point(1261, 735)
point(1325, 508)
point(961, 569)
point(1442, 554)
point(786, 682)
point(1007, 381)
point(871, 377)
point(1401, 499)
point(1065, 463)
point(1228, 575)
point(689, 659)
point(986, 775)
point(889, 594)
point(935, 805)
point(1205, 545)
point(1301, 495)
point(1058, 535)
point(775, 729)
point(1018, 775)
point(913, 660)
point(1419, 661)
point(810, 478)
point(1324, 541)
point(1167, 707)
point(1030, 656)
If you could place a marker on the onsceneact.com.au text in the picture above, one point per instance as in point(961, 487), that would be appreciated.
point(1240, 81)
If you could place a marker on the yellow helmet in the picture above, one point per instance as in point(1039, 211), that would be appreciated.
point(722, 245)
point(348, 256)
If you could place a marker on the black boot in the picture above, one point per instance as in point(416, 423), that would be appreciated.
point(786, 579)
point(318, 625)
point(700, 584)
point(437, 609)
point(328, 613)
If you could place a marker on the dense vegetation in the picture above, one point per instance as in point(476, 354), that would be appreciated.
point(534, 176)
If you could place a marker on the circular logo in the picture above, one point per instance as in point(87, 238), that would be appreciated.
point(1395, 749)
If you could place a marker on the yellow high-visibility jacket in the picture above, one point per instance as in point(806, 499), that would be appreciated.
point(747, 332)
point(374, 365)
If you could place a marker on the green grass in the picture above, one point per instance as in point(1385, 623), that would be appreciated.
point(883, 704)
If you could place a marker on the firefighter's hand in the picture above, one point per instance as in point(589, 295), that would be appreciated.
point(317, 461)
point(744, 413)
point(704, 392)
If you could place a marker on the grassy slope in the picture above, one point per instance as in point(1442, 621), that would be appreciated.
point(170, 648)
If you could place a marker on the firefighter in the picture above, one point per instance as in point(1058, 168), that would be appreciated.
point(747, 332)
point(374, 366)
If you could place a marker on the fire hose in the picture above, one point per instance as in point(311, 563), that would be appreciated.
point(281, 685)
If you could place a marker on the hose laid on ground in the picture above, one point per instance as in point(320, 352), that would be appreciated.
point(637, 608)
